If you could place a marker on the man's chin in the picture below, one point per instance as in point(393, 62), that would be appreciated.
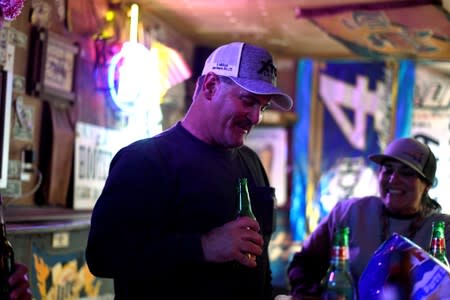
point(233, 145)
point(237, 145)
point(237, 142)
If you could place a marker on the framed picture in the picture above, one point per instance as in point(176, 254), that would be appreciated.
point(52, 66)
point(5, 117)
point(271, 145)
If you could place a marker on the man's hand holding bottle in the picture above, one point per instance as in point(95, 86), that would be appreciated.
point(234, 241)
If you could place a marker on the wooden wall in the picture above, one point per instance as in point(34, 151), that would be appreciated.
point(80, 22)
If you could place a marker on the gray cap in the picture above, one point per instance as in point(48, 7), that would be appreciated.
point(251, 68)
point(412, 153)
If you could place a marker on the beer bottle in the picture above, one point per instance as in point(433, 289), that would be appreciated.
point(245, 207)
point(338, 282)
point(6, 257)
point(437, 243)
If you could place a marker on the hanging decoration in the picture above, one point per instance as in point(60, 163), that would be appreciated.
point(378, 31)
point(11, 9)
point(331, 144)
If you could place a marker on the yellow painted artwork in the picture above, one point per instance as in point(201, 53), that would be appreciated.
point(67, 280)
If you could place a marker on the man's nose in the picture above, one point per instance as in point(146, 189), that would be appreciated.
point(255, 115)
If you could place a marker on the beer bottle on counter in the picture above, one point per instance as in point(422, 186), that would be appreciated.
point(245, 207)
point(437, 243)
point(338, 282)
point(6, 256)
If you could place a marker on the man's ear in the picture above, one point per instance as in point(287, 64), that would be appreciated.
point(210, 84)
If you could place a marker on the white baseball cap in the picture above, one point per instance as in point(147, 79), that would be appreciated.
point(251, 67)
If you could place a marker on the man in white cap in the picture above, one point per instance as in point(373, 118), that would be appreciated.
point(165, 222)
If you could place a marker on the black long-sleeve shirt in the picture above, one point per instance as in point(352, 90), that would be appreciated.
point(160, 196)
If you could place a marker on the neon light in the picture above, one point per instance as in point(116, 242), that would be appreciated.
point(132, 67)
point(109, 16)
point(134, 16)
point(139, 77)
point(128, 70)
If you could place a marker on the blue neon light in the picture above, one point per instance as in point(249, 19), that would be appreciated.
point(128, 76)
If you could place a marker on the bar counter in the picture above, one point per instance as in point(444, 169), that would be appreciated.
point(20, 219)
point(51, 241)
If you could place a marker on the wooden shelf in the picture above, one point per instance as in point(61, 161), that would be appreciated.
point(36, 214)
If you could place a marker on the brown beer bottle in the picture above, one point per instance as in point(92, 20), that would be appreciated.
point(6, 256)
point(245, 207)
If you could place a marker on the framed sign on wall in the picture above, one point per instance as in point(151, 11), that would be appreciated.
point(5, 117)
point(52, 66)
point(271, 145)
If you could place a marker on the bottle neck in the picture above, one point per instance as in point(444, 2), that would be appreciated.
point(244, 203)
point(2, 223)
point(245, 208)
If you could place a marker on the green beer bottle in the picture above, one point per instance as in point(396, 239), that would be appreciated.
point(437, 243)
point(338, 282)
point(6, 257)
point(245, 207)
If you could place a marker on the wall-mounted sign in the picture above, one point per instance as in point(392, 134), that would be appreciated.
point(5, 117)
point(431, 125)
point(270, 143)
point(95, 147)
point(52, 66)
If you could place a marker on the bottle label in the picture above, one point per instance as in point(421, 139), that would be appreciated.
point(437, 245)
point(340, 253)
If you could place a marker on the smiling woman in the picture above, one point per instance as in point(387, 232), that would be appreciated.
point(407, 171)
point(402, 188)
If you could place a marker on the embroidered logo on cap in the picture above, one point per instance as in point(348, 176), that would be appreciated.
point(268, 70)
point(222, 67)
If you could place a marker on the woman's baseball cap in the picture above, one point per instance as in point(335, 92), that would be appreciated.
point(251, 68)
point(412, 153)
